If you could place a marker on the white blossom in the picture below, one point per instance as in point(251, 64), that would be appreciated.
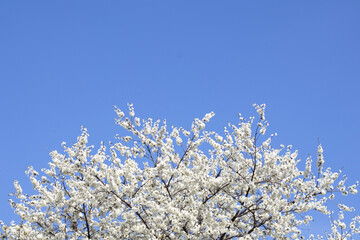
point(208, 116)
point(186, 184)
point(320, 158)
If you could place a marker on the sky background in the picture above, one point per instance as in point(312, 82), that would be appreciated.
point(64, 64)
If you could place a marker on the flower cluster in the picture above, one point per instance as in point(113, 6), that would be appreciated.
point(178, 184)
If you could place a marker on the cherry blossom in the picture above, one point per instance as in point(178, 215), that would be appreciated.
point(157, 182)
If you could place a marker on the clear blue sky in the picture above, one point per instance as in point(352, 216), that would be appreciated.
point(64, 64)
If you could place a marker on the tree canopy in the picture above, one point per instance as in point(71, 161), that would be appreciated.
point(171, 183)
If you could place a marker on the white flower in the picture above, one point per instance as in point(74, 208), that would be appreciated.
point(17, 187)
point(320, 158)
point(208, 116)
point(178, 140)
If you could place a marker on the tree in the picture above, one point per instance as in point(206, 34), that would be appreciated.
point(180, 184)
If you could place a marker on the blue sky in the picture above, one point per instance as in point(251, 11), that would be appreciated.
point(66, 63)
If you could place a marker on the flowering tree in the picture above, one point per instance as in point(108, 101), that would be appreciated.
point(158, 183)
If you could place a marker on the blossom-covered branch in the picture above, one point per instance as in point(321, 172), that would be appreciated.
point(161, 183)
